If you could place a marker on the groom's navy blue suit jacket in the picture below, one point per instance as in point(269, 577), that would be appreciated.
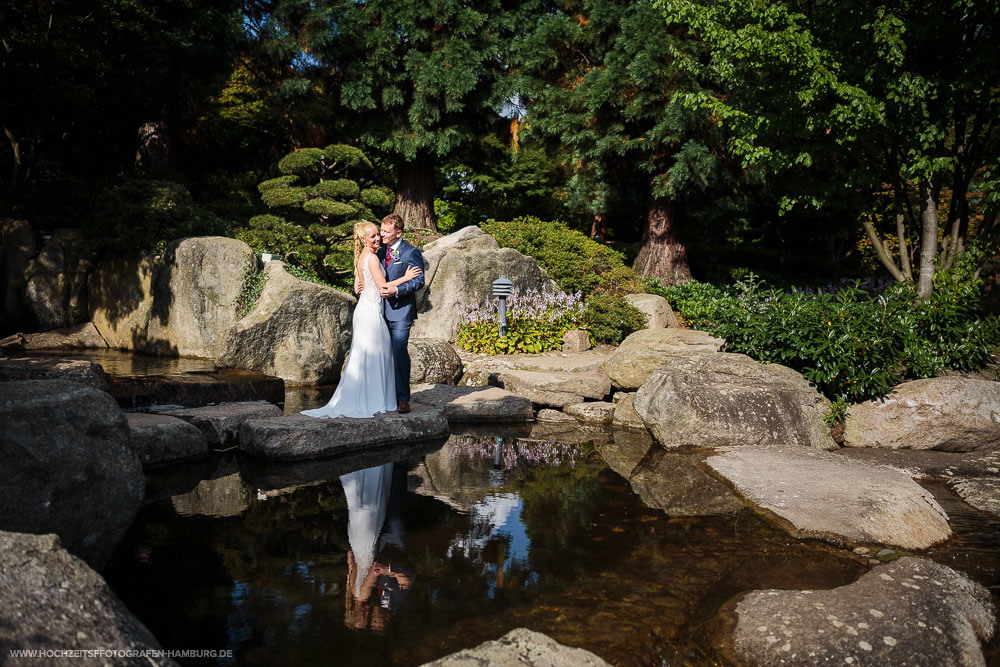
point(402, 306)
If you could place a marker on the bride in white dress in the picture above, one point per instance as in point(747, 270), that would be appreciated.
point(368, 384)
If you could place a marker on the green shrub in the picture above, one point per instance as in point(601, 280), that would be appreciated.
point(452, 215)
point(254, 281)
point(536, 322)
point(609, 319)
point(574, 261)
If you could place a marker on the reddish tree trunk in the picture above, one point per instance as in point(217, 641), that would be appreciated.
point(662, 254)
point(153, 151)
point(415, 193)
point(599, 227)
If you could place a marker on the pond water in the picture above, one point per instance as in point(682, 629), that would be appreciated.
point(354, 563)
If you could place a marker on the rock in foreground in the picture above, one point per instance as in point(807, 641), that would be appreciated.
point(822, 495)
point(729, 400)
point(81, 336)
point(912, 612)
point(160, 439)
point(520, 648)
point(956, 414)
point(433, 361)
point(221, 423)
point(649, 349)
point(296, 437)
point(50, 600)
point(68, 466)
point(75, 369)
point(477, 405)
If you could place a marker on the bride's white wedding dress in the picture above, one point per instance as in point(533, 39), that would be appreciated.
point(368, 384)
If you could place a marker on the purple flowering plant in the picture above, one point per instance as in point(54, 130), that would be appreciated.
point(519, 452)
point(536, 322)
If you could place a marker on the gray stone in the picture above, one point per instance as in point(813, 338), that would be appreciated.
point(957, 414)
point(520, 648)
point(120, 299)
point(51, 600)
point(195, 284)
point(554, 389)
point(572, 433)
point(928, 464)
point(69, 468)
point(75, 369)
point(159, 439)
point(625, 414)
point(80, 336)
point(17, 248)
point(433, 361)
point(576, 340)
point(981, 493)
point(56, 280)
point(656, 309)
point(647, 350)
point(673, 482)
point(299, 331)
point(484, 365)
point(719, 400)
point(872, 505)
point(459, 270)
point(220, 424)
point(550, 415)
point(473, 404)
point(911, 611)
point(591, 412)
point(296, 437)
point(219, 497)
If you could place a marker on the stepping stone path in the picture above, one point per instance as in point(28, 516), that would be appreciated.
point(161, 439)
point(74, 369)
point(592, 412)
point(473, 404)
point(221, 423)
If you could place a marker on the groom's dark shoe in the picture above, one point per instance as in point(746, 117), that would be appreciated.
point(403, 407)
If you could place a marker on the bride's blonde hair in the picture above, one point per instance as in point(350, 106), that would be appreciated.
point(359, 229)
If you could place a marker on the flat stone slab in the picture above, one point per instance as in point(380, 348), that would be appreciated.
point(909, 612)
point(296, 437)
point(43, 367)
point(554, 389)
point(521, 648)
point(160, 439)
point(575, 362)
point(197, 389)
point(983, 494)
point(221, 423)
point(473, 404)
point(80, 336)
point(592, 412)
point(554, 416)
point(821, 495)
point(930, 464)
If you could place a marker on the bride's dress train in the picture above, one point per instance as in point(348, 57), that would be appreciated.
point(368, 384)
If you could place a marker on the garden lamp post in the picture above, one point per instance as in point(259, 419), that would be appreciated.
point(497, 473)
point(501, 290)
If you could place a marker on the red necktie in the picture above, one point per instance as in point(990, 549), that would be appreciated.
point(388, 257)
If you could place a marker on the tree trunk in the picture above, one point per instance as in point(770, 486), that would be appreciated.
point(662, 254)
point(928, 237)
point(153, 152)
point(415, 193)
point(599, 227)
point(15, 146)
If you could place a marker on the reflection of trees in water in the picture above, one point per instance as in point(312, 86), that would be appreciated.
point(513, 452)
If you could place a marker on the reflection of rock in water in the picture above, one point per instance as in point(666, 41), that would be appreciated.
point(667, 480)
point(221, 497)
point(298, 399)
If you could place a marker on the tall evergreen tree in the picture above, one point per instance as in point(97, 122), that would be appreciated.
point(603, 77)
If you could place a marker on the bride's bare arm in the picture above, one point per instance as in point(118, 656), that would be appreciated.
point(373, 265)
point(411, 273)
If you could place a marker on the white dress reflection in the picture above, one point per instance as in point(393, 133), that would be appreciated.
point(372, 587)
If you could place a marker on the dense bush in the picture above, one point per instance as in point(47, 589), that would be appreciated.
point(574, 261)
point(147, 214)
point(609, 319)
point(536, 322)
point(853, 343)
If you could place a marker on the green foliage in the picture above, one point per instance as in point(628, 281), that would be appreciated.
point(852, 343)
point(452, 216)
point(146, 214)
point(254, 281)
point(574, 261)
point(610, 319)
point(536, 322)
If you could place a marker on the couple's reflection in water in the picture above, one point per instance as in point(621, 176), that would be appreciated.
point(377, 579)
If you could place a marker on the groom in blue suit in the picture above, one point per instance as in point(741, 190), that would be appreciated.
point(400, 304)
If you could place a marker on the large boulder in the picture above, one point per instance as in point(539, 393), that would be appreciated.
point(718, 400)
point(74, 369)
point(195, 285)
point(909, 612)
point(69, 467)
point(521, 648)
point(17, 248)
point(56, 280)
point(52, 601)
point(647, 350)
point(983, 493)
point(476, 405)
point(220, 424)
point(658, 312)
point(552, 388)
point(459, 271)
point(299, 331)
point(80, 336)
point(160, 439)
point(956, 414)
point(120, 299)
point(826, 496)
point(433, 361)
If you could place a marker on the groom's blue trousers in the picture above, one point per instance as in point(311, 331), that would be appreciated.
point(399, 332)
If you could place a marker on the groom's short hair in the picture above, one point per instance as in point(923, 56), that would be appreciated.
point(395, 220)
